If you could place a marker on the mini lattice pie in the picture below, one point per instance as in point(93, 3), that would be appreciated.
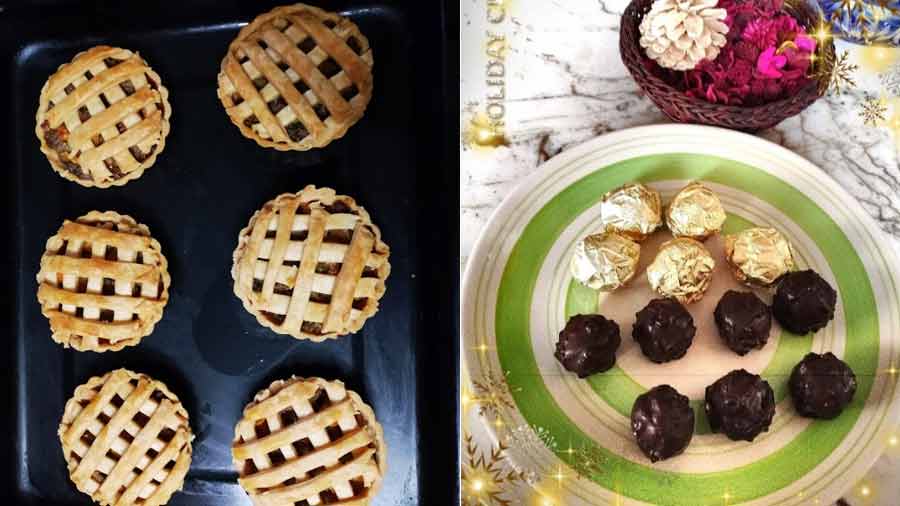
point(296, 78)
point(103, 118)
point(308, 442)
point(126, 440)
point(311, 265)
point(103, 282)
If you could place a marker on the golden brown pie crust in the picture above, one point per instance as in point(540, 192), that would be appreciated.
point(311, 265)
point(103, 282)
point(103, 118)
point(296, 78)
point(307, 439)
point(126, 440)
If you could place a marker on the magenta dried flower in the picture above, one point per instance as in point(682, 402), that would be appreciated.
point(773, 90)
point(766, 58)
point(741, 73)
point(805, 43)
point(761, 33)
point(769, 64)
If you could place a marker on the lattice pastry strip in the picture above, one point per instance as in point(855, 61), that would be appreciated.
point(103, 118)
point(103, 282)
point(311, 265)
point(309, 442)
point(126, 440)
point(296, 78)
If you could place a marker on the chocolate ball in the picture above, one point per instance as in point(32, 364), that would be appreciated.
point(588, 344)
point(822, 386)
point(740, 405)
point(664, 329)
point(804, 302)
point(662, 422)
point(743, 320)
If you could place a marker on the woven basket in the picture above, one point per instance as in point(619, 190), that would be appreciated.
point(680, 107)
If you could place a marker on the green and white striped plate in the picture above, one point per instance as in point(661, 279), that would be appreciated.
point(518, 294)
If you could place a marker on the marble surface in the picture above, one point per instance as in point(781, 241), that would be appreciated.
point(564, 83)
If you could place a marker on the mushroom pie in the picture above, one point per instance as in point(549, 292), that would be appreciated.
point(126, 440)
point(311, 265)
point(103, 118)
point(309, 441)
point(103, 282)
point(296, 78)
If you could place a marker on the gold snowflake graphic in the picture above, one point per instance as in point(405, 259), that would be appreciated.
point(487, 478)
point(492, 394)
point(834, 72)
point(872, 110)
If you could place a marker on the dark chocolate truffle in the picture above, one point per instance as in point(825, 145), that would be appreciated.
point(743, 320)
point(588, 344)
point(822, 386)
point(662, 422)
point(664, 329)
point(740, 405)
point(804, 302)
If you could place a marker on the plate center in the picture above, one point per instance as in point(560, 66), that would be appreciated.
point(708, 358)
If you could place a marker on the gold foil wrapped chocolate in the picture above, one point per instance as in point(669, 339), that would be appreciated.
point(695, 212)
point(682, 269)
point(633, 210)
point(605, 261)
point(759, 256)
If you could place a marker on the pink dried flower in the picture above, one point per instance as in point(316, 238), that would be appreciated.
point(770, 64)
point(741, 73)
point(767, 56)
point(805, 43)
point(761, 33)
point(773, 90)
point(758, 87)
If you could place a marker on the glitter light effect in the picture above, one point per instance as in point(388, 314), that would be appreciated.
point(480, 132)
point(877, 58)
point(863, 494)
point(833, 71)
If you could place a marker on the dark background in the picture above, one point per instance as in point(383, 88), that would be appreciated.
point(400, 162)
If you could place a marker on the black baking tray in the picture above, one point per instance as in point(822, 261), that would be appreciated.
point(398, 162)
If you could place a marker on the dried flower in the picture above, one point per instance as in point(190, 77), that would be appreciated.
point(761, 33)
point(741, 73)
point(767, 57)
point(746, 51)
point(805, 43)
point(769, 63)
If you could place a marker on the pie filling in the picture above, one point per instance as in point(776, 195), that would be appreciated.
point(57, 138)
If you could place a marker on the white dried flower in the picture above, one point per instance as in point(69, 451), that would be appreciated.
point(679, 34)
